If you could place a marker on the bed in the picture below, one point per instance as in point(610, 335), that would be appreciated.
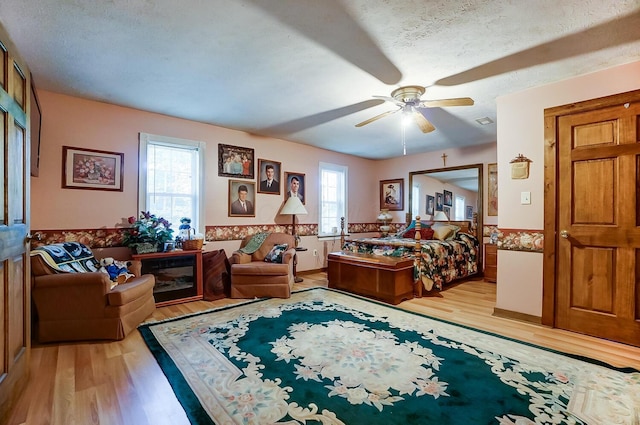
point(439, 257)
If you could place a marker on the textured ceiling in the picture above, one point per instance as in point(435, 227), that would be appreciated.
point(306, 70)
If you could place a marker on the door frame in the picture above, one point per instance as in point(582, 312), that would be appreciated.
point(551, 116)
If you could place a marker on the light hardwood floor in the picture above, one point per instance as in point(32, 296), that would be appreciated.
point(120, 382)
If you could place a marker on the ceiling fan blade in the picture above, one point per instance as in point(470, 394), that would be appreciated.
point(423, 123)
point(612, 33)
point(300, 124)
point(345, 36)
point(377, 117)
point(390, 99)
point(458, 101)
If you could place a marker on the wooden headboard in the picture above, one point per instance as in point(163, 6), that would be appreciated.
point(466, 226)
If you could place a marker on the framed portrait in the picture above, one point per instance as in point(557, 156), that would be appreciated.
point(469, 212)
point(242, 198)
point(447, 212)
point(492, 189)
point(269, 176)
point(439, 199)
point(235, 161)
point(430, 205)
point(448, 198)
point(295, 185)
point(392, 194)
point(92, 169)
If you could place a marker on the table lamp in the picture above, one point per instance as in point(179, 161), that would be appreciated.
point(384, 217)
point(440, 216)
point(292, 207)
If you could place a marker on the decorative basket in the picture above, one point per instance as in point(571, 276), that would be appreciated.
point(146, 248)
point(192, 244)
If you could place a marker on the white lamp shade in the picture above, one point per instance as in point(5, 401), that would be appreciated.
point(293, 206)
point(440, 216)
point(384, 215)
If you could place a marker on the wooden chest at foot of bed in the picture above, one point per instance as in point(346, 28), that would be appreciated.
point(388, 279)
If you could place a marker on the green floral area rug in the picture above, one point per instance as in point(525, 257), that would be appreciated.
point(325, 357)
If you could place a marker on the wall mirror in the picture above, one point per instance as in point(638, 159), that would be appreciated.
point(457, 191)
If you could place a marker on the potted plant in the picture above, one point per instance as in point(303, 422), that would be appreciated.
point(147, 233)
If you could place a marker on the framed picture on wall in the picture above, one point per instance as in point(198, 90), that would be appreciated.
point(430, 205)
point(269, 175)
point(447, 212)
point(91, 169)
point(492, 189)
point(439, 198)
point(242, 198)
point(469, 212)
point(295, 185)
point(392, 194)
point(235, 161)
point(448, 198)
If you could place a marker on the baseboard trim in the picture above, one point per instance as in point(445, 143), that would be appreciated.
point(312, 271)
point(514, 315)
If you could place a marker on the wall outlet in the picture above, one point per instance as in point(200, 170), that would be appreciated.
point(525, 198)
point(315, 252)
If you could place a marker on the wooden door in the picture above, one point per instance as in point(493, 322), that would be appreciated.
point(14, 213)
point(597, 233)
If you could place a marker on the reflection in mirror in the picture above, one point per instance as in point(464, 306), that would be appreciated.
point(458, 188)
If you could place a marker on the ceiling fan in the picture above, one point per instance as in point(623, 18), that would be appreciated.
point(408, 100)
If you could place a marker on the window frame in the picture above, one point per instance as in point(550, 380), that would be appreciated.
point(344, 170)
point(199, 147)
point(461, 213)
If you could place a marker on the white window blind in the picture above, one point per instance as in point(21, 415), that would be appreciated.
point(171, 179)
point(333, 198)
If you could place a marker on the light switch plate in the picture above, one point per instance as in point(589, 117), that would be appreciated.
point(525, 198)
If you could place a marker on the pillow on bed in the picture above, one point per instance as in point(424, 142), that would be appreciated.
point(444, 231)
point(412, 225)
point(425, 234)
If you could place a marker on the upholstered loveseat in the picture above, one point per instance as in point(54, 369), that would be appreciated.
point(252, 276)
point(74, 301)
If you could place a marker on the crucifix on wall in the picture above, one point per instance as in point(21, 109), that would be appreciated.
point(444, 159)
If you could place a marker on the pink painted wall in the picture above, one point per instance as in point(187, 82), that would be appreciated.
point(83, 123)
point(70, 121)
point(521, 131)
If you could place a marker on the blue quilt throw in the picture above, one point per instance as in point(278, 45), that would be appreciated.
point(70, 257)
point(325, 357)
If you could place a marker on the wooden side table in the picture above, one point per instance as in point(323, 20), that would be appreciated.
point(490, 262)
point(297, 279)
point(178, 275)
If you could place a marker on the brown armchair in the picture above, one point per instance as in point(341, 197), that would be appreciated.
point(73, 306)
point(251, 276)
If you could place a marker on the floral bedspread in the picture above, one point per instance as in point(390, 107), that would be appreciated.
point(440, 262)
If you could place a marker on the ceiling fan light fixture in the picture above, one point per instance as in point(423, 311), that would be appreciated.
point(407, 98)
point(407, 115)
point(408, 94)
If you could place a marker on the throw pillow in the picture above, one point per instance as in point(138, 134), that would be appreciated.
point(443, 231)
point(412, 225)
point(275, 255)
point(425, 234)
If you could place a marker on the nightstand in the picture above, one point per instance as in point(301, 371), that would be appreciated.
point(490, 262)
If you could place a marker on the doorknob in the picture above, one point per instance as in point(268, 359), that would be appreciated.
point(564, 234)
point(29, 238)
